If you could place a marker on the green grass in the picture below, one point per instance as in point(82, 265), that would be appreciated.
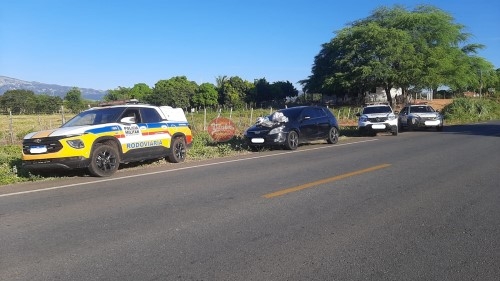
point(468, 110)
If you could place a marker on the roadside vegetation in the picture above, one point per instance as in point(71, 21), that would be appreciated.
point(469, 110)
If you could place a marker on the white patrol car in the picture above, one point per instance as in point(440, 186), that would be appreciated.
point(99, 139)
point(377, 118)
point(420, 116)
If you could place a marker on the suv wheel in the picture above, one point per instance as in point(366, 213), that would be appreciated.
point(395, 130)
point(178, 150)
point(104, 160)
point(333, 136)
point(292, 140)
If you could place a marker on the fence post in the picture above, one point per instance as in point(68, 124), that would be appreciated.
point(62, 114)
point(251, 116)
point(205, 119)
point(11, 128)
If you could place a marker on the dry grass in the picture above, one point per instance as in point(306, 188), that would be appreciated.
point(14, 127)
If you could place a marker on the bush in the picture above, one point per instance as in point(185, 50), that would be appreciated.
point(10, 166)
point(463, 110)
point(204, 147)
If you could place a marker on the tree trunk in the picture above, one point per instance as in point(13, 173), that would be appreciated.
point(388, 94)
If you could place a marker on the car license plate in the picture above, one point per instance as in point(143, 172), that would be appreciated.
point(38, 149)
point(257, 140)
point(432, 123)
point(378, 126)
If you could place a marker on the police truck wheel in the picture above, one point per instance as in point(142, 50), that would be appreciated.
point(178, 150)
point(104, 160)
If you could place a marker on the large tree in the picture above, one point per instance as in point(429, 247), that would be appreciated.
point(120, 93)
point(233, 91)
point(74, 101)
point(176, 91)
point(18, 101)
point(47, 104)
point(393, 47)
point(205, 95)
point(271, 92)
point(139, 91)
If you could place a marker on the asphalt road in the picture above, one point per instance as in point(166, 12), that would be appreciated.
point(423, 205)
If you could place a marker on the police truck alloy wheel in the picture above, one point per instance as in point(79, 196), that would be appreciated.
point(104, 161)
point(178, 150)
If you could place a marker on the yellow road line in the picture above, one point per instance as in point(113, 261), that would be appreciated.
point(323, 181)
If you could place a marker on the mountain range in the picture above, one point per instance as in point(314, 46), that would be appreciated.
point(7, 83)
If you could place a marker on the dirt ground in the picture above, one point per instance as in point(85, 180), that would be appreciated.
point(437, 104)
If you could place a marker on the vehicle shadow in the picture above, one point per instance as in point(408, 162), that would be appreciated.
point(489, 128)
point(349, 131)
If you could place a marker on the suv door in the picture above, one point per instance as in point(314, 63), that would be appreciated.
point(311, 121)
point(133, 145)
point(306, 124)
point(403, 115)
point(323, 122)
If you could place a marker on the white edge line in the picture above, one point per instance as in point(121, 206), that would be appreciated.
point(177, 169)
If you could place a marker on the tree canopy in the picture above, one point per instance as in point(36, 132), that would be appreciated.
point(25, 102)
point(74, 101)
point(397, 48)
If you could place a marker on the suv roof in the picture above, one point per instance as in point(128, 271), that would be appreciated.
point(166, 112)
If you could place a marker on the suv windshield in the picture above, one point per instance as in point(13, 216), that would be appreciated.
point(95, 117)
point(421, 109)
point(377, 109)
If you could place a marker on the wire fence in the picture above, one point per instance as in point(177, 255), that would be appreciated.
point(14, 127)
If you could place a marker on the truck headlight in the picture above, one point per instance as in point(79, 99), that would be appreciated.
point(78, 144)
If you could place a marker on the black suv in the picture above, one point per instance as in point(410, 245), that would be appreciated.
point(291, 126)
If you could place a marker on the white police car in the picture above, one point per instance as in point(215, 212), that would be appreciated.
point(377, 118)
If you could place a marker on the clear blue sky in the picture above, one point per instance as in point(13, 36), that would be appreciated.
point(104, 44)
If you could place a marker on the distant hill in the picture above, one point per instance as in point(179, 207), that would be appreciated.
point(7, 83)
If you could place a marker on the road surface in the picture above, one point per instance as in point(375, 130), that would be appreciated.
point(422, 205)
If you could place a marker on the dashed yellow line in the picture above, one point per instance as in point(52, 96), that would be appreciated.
point(323, 181)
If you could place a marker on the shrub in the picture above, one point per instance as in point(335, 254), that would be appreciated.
point(465, 110)
point(10, 166)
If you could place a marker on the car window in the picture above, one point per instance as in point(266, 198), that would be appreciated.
point(291, 113)
point(421, 109)
point(150, 115)
point(313, 113)
point(95, 117)
point(377, 109)
point(133, 112)
point(319, 112)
